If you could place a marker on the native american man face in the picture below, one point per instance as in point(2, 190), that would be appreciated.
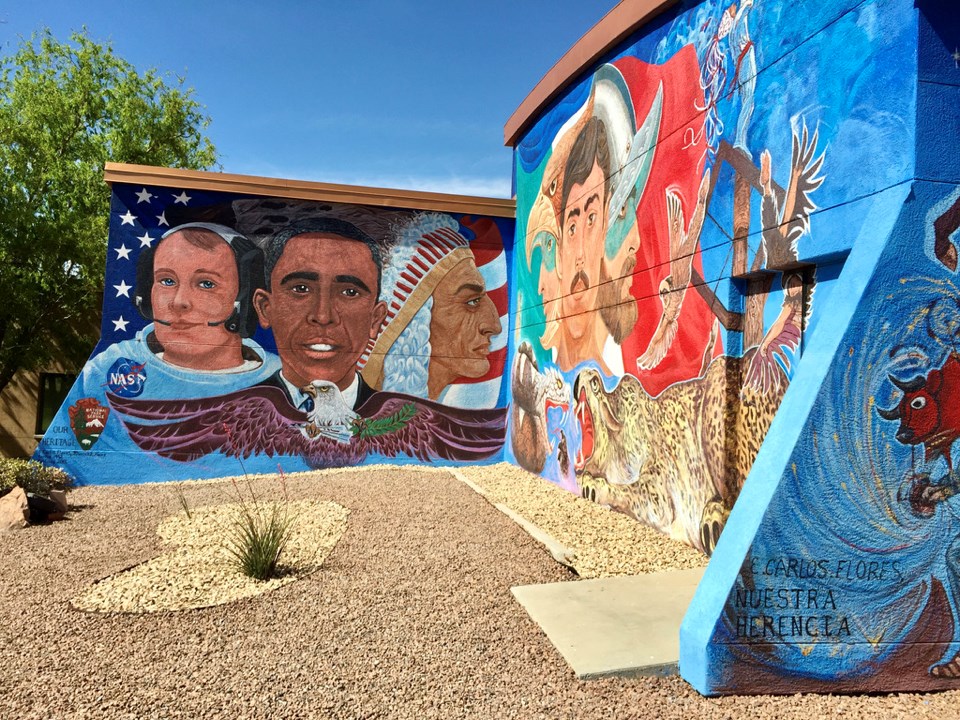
point(462, 321)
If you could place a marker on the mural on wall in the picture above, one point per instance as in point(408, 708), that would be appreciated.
point(287, 333)
point(647, 372)
point(853, 578)
point(840, 568)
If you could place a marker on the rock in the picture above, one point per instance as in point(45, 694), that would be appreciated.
point(42, 509)
point(14, 510)
point(59, 498)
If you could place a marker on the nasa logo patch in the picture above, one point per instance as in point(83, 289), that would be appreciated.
point(126, 377)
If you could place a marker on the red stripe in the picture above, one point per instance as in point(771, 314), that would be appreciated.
point(484, 254)
point(452, 239)
point(421, 264)
point(498, 359)
point(501, 299)
point(410, 277)
point(431, 253)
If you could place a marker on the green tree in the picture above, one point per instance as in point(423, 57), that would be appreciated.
point(65, 110)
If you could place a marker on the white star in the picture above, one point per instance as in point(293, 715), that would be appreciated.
point(143, 196)
point(162, 219)
point(123, 289)
point(123, 252)
point(956, 57)
point(182, 198)
point(120, 325)
point(127, 219)
point(145, 240)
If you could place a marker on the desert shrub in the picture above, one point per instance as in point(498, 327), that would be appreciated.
point(258, 537)
point(32, 476)
point(7, 482)
point(259, 534)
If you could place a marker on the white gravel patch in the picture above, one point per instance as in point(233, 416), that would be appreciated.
point(605, 543)
point(200, 570)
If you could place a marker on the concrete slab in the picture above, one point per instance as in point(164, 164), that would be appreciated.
point(623, 626)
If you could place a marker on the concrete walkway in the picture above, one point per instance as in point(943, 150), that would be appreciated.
point(623, 626)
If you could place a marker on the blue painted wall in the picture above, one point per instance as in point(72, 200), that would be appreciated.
point(771, 126)
point(839, 567)
point(201, 365)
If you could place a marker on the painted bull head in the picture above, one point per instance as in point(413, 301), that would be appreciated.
point(928, 411)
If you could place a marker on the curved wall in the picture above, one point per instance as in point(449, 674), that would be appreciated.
point(759, 258)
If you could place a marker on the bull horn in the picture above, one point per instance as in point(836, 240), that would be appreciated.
point(891, 414)
point(908, 385)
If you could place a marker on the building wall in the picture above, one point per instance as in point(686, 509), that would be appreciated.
point(668, 299)
point(18, 406)
point(186, 379)
point(838, 570)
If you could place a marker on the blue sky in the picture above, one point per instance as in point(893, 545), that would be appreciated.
point(386, 93)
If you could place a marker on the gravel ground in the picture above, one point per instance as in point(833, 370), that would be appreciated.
point(410, 616)
point(606, 543)
point(199, 569)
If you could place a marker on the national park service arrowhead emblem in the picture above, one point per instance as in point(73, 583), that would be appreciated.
point(87, 419)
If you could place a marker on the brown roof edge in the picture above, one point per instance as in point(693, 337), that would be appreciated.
point(613, 27)
point(305, 190)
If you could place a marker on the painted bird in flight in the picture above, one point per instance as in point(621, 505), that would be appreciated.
point(261, 421)
point(673, 288)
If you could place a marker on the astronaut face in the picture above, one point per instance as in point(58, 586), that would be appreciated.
point(193, 293)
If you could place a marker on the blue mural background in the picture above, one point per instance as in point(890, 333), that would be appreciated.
point(840, 74)
point(842, 512)
point(857, 484)
point(139, 217)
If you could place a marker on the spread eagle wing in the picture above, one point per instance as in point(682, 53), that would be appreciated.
point(393, 424)
point(257, 420)
point(261, 421)
point(803, 181)
point(683, 244)
point(787, 218)
point(764, 373)
point(666, 330)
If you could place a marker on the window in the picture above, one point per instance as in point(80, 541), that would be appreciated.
point(53, 391)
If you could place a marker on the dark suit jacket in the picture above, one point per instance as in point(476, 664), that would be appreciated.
point(364, 392)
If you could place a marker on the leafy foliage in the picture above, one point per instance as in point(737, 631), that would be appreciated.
point(65, 110)
point(32, 476)
point(382, 426)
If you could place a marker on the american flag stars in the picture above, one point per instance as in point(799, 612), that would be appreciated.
point(123, 252)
